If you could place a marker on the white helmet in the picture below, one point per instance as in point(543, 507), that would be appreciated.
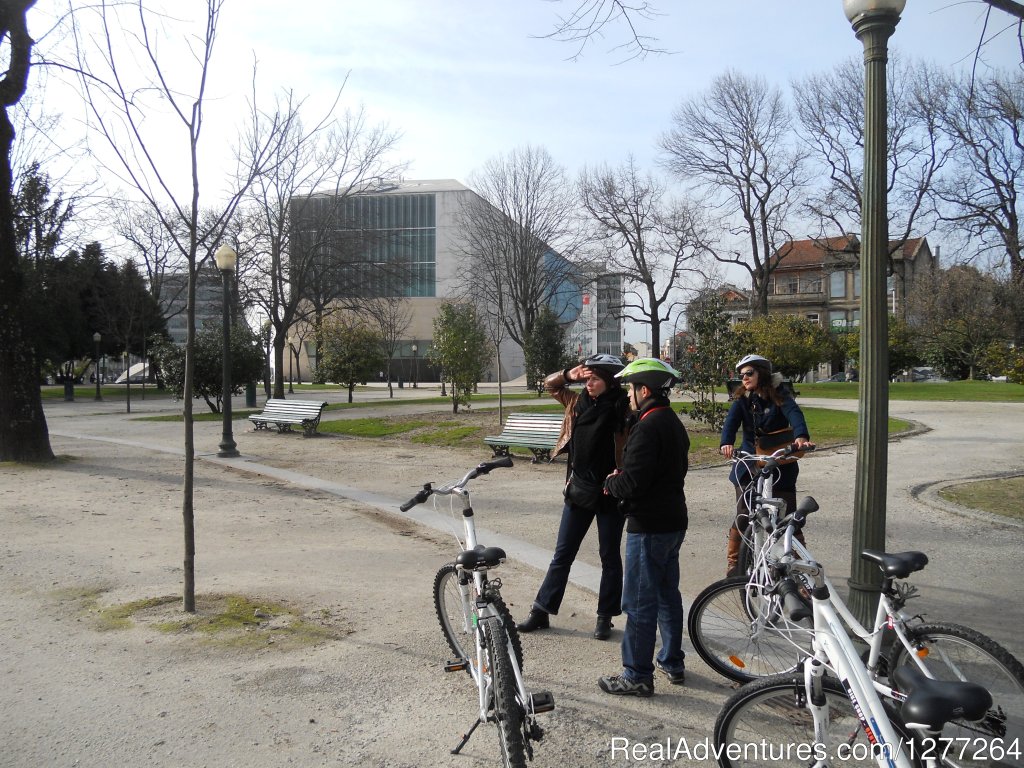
point(761, 362)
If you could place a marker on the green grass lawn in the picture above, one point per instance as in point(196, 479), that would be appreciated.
point(1001, 496)
point(962, 391)
point(113, 392)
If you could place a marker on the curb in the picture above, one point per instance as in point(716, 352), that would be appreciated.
point(928, 493)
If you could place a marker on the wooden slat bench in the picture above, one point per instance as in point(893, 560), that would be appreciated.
point(536, 431)
point(284, 413)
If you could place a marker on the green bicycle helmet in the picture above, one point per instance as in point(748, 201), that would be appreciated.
point(651, 372)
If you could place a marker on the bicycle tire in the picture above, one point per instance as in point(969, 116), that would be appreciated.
point(955, 652)
point(721, 628)
point(448, 607)
point(509, 714)
point(764, 724)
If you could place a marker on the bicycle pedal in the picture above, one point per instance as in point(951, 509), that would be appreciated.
point(542, 701)
point(456, 665)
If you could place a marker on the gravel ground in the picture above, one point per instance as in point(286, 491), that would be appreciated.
point(103, 527)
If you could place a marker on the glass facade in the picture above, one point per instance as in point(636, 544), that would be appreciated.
point(372, 245)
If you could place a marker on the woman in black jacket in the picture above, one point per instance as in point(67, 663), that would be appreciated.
point(593, 433)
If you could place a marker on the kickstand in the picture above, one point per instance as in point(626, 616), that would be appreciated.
point(465, 738)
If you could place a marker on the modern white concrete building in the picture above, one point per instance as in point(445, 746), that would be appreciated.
point(414, 227)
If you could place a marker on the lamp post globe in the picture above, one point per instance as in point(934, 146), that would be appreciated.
point(873, 22)
point(96, 338)
point(226, 258)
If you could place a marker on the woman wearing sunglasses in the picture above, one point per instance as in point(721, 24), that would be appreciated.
point(770, 419)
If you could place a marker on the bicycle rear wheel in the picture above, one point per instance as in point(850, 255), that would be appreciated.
point(766, 723)
point(742, 636)
point(955, 652)
point(509, 715)
point(451, 615)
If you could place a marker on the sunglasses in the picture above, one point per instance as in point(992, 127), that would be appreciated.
point(748, 374)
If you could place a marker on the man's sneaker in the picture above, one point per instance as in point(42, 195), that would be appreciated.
point(676, 678)
point(620, 685)
point(536, 620)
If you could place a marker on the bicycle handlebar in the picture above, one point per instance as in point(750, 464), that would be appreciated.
point(782, 453)
point(482, 468)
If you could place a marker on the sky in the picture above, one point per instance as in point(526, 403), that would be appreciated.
point(464, 81)
point(467, 80)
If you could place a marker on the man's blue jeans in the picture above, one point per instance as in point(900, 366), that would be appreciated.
point(574, 526)
point(651, 600)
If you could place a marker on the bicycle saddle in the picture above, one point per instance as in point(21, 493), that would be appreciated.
point(933, 703)
point(897, 565)
point(480, 558)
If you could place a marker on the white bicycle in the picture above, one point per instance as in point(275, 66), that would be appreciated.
point(833, 709)
point(482, 634)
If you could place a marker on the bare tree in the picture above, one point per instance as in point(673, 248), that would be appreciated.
point(830, 108)
point(591, 18)
point(129, 74)
point(644, 237)
point(299, 228)
point(981, 197)
point(735, 143)
point(23, 432)
point(391, 317)
point(520, 235)
point(155, 248)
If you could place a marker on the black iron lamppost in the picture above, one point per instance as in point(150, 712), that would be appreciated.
point(226, 259)
point(874, 22)
point(96, 340)
point(415, 366)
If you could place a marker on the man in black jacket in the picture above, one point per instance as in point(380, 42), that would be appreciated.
point(650, 487)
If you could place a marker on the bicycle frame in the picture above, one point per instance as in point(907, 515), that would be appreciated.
point(833, 649)
point(476, 606)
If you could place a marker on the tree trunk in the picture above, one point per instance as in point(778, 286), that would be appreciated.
point(23, 432)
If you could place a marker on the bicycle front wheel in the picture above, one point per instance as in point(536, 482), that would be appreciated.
point(509, 714)
point(741, 635)
point(955, 652)
point(766, 723)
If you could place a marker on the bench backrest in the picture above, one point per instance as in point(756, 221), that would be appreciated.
point(302, 408)
point(550, 423)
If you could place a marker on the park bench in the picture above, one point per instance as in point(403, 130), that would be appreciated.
point(536, 431)
point(284, 413)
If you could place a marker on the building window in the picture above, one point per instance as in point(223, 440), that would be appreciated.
point(856, 283)
point(837, 320)
point(813, 318)
point(786, 285)
point(811, 284)
point(856, 319)
point(837, 285)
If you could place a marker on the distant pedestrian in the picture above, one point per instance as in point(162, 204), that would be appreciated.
point(651, 487)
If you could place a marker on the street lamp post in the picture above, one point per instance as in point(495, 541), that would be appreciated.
point(415, 366)
point(874, 22)
point(96, 341)
point(226, 258)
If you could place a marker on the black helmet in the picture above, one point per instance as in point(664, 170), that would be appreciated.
point(609, 363)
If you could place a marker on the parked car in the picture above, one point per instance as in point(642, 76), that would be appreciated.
point(926, 375)
point(840, 377)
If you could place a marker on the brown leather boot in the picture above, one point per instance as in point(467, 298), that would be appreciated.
point(732, 552)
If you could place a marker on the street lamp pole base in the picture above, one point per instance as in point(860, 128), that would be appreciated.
point(228, 450)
